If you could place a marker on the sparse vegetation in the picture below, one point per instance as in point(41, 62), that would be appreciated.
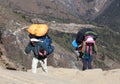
point(111, 16)
point(63, 39)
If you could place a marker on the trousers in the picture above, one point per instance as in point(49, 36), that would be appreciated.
point(42, 62)
point(87, 63)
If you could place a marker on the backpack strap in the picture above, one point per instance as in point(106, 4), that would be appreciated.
point(88, 49)
point(83, 48)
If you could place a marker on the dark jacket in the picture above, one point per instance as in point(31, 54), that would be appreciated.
point(34, 47)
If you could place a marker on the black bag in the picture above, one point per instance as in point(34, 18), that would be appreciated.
point(83, 33)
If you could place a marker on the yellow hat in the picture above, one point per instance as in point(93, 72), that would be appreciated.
point(38, 29)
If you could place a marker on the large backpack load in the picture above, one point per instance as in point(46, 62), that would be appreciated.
point(82, 35)
point(85, 37)
point(40, 42)
point(38, 29)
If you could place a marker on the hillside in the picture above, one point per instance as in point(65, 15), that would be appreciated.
point(58, 10)
point(61, 76)
point(108, 44)
point(111, 16)
point(14, 38)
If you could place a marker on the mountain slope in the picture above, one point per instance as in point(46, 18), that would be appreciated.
point(14, 38)
point(111, 16)
point(59, 10)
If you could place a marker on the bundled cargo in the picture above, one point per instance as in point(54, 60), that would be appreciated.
point(38, 29)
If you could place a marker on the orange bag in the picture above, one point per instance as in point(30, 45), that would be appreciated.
point(38, 29)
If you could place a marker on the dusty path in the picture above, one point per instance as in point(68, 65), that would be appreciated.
point(61, 76)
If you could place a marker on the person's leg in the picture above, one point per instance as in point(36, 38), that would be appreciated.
point(34, 65)
point(44, 65)
point(84, 64)
point(90, 63)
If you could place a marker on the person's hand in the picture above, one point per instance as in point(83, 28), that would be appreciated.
point(79, 46)
point(25, 53)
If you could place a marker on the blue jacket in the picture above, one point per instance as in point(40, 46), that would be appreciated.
point(34, 47)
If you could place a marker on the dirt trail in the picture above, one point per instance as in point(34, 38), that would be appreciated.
point(60, 76)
